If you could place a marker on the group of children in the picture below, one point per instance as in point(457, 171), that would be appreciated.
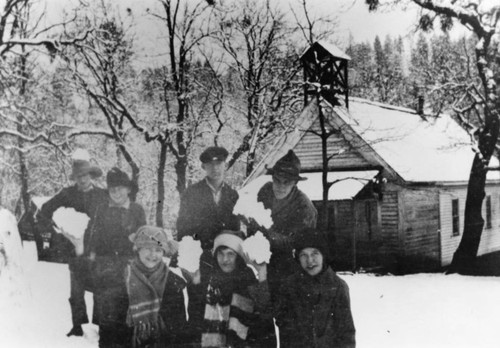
point(141, 302)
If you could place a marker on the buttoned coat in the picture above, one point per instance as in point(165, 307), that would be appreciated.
point(315, 311)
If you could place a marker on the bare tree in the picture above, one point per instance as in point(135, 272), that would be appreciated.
point(253, 34)
point(23, 42)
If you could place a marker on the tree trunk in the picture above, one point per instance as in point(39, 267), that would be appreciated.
point(464, 258)
point(160, 202)
point(323, 224)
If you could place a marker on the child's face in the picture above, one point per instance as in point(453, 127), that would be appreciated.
point(226, 258)
point(119, 194)
point(151, 256)
point(311, 261)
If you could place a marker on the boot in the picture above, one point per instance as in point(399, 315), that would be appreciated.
point(75, 331)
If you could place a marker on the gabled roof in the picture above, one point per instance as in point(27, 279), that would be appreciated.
point(434, 149)
point(409, 147)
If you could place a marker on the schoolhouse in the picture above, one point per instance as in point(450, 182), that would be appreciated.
point(399, 182)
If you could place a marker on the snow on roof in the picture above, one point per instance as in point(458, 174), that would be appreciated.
point(347, 184)
point(330, 47)
point(436, 150)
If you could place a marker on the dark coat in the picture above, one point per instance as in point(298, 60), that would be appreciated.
point(71, 197)
point(289, 216)
point(315, 312)
point(109, 240)
point(173, 311)
point(201, 218)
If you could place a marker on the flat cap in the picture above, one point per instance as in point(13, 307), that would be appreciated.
point(213, 153)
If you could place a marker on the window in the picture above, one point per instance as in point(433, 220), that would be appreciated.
point(488, 211)
point(455, 217)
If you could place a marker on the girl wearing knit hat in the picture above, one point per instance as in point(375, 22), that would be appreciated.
point(156, 311)
point(313, 307)
point(226, 306)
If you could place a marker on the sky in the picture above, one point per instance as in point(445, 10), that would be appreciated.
point(413, 311)
point(353, 16)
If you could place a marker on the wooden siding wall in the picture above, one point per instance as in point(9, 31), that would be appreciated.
point(420, 230)
point(389, 213)
point(341, 232)
point(309, 152)
point(490, 239)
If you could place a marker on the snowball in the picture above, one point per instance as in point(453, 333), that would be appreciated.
point(248, 207)
point(189, 254)
point(71, 221)
point(80, 155)
point(257, 248)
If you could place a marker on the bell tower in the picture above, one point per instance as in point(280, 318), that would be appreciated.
point(325, 67)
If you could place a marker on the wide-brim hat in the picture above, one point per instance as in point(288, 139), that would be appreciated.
point(287, 167)
point(152, 236)
point(117, 177)
point(213, 153)
point(82, 167)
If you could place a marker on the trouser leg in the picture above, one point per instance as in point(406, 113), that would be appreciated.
point(77, 292)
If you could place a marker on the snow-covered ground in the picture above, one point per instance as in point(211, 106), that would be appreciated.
point(423, 310)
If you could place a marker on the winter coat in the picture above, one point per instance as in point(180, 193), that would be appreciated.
point(315, 312)
point(202, 218)
point(289, 215)
point(246, 302)
point(83, 202)
point(109, 240)
point(156, 309)
point(113, 250)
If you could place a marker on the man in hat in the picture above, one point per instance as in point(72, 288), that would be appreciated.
point(206, 207)
point(85, 197)
point(291, 211)
point(313, 308)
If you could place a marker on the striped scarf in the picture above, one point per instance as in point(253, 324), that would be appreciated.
point(145, 291)
point(228, 310)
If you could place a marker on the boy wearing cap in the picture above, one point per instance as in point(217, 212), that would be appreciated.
point(156, 311)
point(111, 250)
point(291, 211)
point(226, 306)
point(206, 208)
point(313, 307)
point(84, 197)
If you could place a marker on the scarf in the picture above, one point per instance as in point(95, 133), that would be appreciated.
point(229, 309)
point(145, 291)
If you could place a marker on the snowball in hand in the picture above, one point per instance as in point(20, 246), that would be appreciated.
point(257, 248)
point(189, 254)
point(248, 207)
point(71, 221)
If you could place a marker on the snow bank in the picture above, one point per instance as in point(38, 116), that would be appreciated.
point(13, 283)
